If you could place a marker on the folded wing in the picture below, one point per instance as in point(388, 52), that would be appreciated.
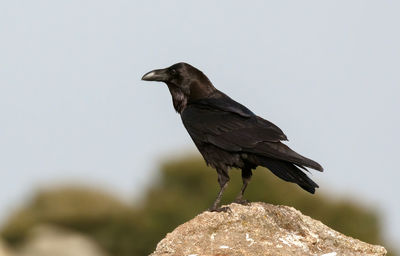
point(229, 125)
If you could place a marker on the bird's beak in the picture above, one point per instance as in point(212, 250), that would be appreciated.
point(160, 75)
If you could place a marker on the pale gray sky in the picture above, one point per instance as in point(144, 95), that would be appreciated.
point(73, 108)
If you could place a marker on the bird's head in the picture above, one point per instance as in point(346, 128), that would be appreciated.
point(185, 83)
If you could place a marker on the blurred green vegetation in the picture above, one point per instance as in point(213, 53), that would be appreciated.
point(186, 187)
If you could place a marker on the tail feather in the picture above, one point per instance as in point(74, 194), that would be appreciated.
point(286, 171)
point(284, 153)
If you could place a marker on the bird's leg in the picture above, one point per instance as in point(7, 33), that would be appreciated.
point(246, 177)
point(223, 179)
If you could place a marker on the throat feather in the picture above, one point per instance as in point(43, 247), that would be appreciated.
point(179, 99)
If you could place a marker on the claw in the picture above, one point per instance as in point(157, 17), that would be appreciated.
point(242, 201)
point(221, 209)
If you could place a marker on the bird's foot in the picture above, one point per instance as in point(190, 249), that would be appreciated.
point(242, 201)
point(220, 209)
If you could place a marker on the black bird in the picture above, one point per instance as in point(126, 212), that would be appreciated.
point(228, 134)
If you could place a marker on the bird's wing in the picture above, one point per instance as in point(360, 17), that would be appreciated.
point(232, 127)
point(227, 124)
point(227, 105)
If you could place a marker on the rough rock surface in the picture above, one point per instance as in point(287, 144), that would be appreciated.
point(259, 229)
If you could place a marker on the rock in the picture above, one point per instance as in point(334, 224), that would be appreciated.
point(46, 240)
point(259, 229)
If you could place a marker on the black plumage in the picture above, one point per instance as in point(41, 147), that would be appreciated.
point(228, 134)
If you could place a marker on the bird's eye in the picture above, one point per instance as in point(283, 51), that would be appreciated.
point(173, 71)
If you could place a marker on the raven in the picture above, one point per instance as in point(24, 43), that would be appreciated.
point(228, 134)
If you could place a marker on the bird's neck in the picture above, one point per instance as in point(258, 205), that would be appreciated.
point(195, 90)
point(201, 90)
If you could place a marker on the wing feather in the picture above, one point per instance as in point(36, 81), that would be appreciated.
point(223, 117)
point(229, 125)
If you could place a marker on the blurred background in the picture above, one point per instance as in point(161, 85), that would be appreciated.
point(94, 161)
